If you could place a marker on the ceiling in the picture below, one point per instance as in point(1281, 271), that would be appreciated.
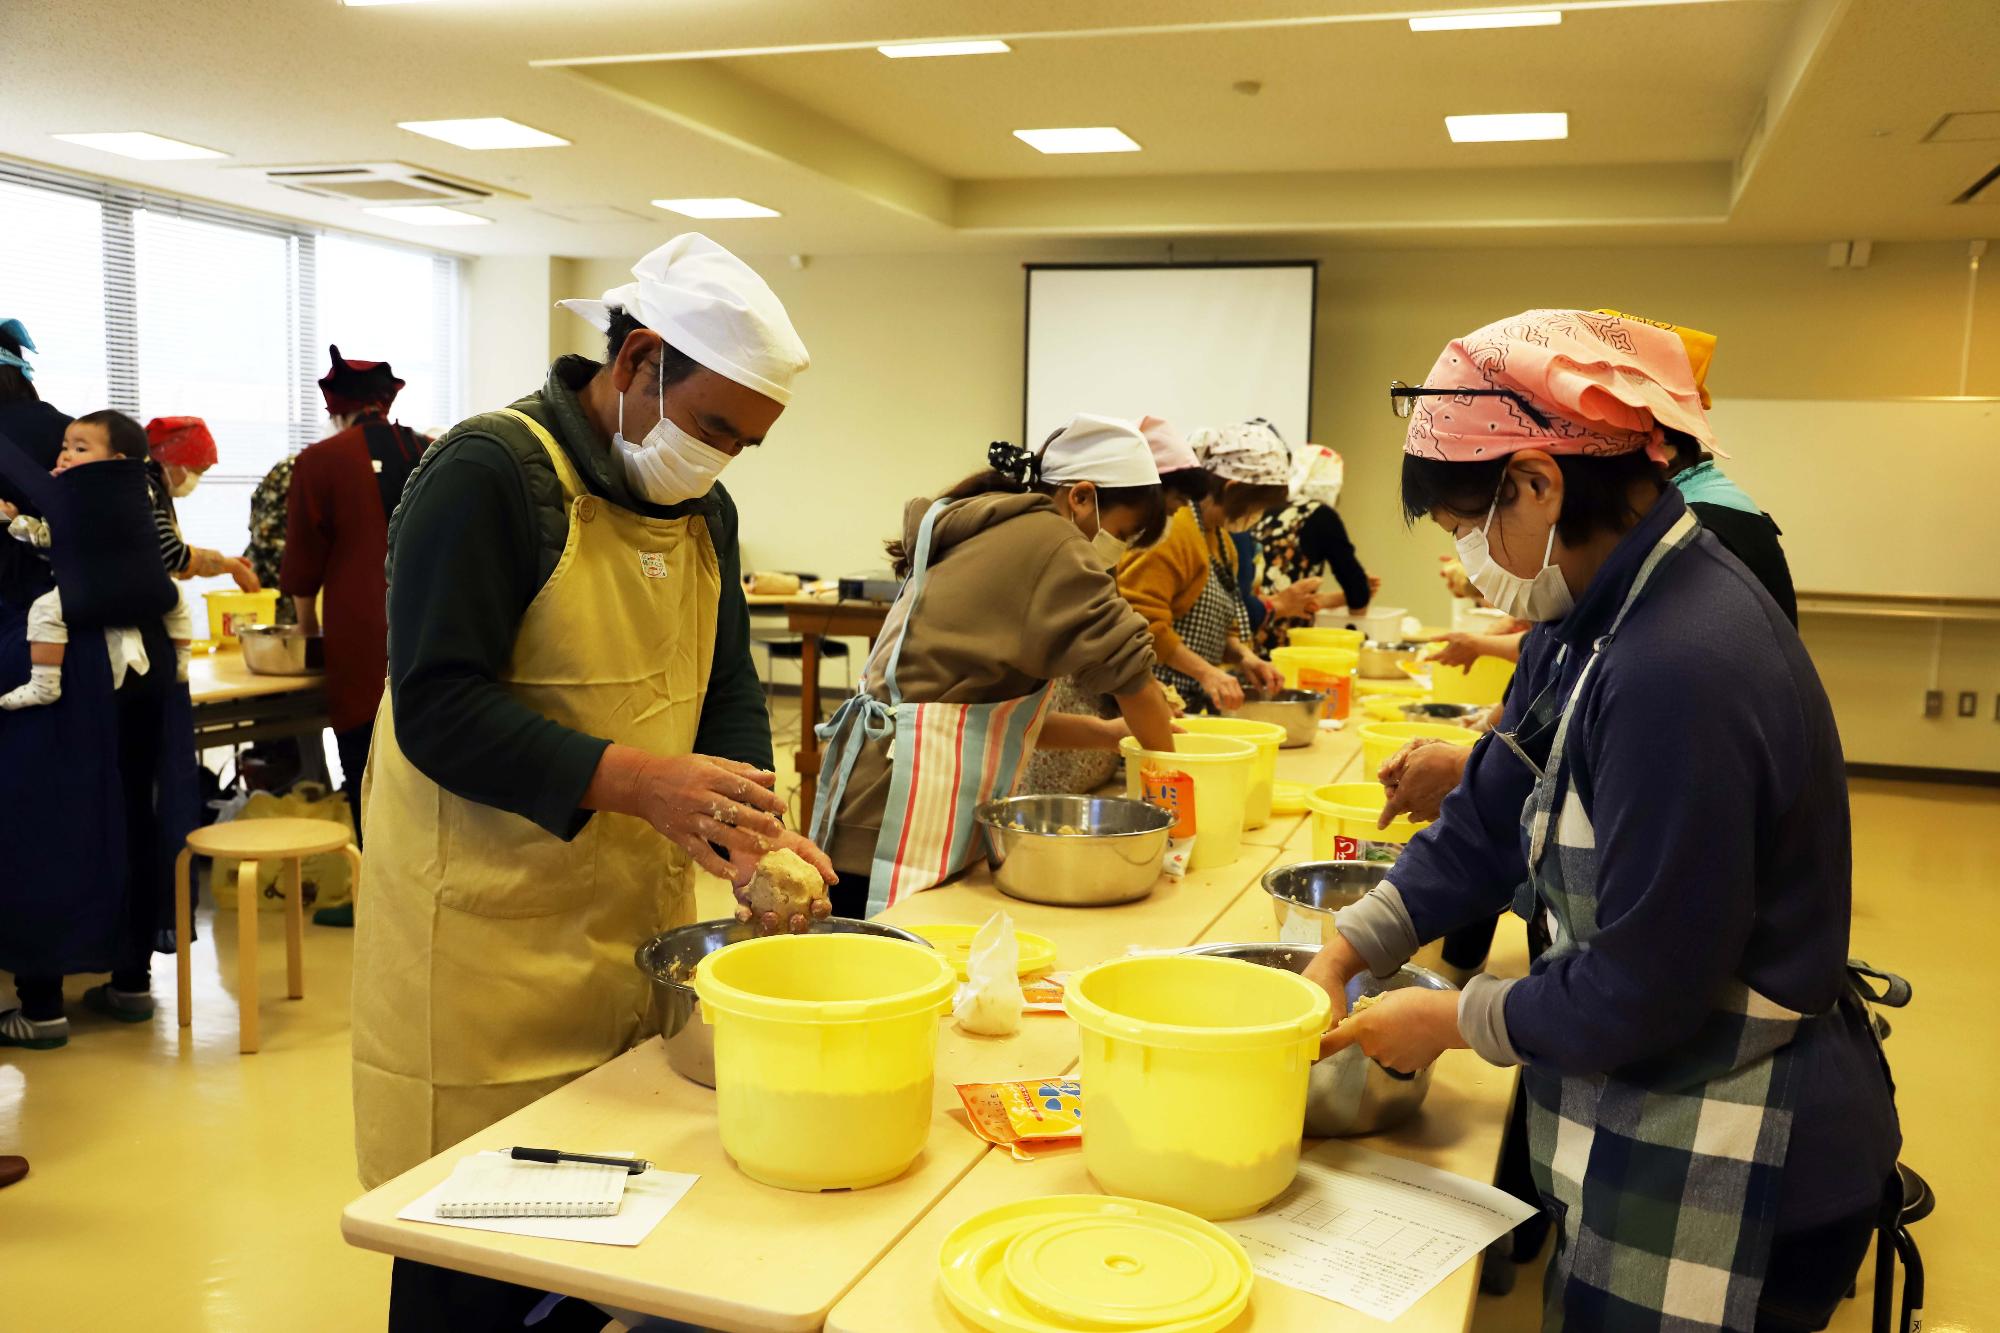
point(1707, 120)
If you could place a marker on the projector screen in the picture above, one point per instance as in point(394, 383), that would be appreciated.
point(1197, 344)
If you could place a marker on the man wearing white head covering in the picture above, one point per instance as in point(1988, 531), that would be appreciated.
point(573, 720)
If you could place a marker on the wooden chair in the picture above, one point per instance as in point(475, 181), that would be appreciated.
point(253, 841)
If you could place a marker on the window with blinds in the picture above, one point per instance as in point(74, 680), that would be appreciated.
point(164, 307)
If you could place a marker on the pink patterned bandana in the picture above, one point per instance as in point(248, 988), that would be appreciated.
point(1607, 385)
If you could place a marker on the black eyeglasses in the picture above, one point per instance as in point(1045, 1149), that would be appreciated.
point(1403, 399)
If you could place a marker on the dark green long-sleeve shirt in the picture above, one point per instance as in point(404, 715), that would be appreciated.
point(478, 532)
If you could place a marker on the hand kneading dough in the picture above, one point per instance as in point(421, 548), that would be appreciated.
point(785, 885)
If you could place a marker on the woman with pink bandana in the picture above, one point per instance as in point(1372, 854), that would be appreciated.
point(1710, 1120)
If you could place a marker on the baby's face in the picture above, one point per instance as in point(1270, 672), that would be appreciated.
point(83, 442)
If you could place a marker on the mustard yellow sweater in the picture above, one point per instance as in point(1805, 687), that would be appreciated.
point(1162, 581)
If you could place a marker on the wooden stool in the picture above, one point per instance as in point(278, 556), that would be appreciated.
point(253, 841)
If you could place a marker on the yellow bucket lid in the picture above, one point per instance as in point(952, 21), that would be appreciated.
point(1085, 1263)
point(1037, 952)
point(1288, 798)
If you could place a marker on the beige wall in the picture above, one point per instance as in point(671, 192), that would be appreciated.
point(917, 364)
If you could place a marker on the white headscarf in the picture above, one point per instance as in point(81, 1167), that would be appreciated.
point(1316, 475)
point(1251, 453)
point(711, 305)
point(1104, 450)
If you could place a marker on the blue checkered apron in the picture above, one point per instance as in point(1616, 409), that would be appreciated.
point(1663, 1178)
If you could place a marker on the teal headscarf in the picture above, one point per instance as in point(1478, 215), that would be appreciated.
point(1704, 484)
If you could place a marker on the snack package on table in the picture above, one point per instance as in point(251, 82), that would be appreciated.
point(1043, 994)
point(1027, 1118)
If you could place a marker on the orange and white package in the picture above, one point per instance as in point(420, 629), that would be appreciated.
point(1043, 994)
point(1027, 1118)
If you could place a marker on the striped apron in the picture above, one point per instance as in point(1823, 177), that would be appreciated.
point(946, 760)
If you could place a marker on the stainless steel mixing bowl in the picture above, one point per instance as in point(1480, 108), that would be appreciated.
point(1297, 711)
point(1305, 896)
point(669, 961)
point(1455, 714)
point(1348, 1093)
point(281, 650)
point(1075, 851)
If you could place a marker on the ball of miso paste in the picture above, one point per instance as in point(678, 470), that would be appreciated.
point(786, 886)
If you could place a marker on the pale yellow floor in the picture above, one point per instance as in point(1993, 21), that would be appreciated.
point(179, 1186)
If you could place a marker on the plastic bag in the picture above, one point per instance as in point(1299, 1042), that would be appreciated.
point(989, 1003)
point(1027, 1118)
point(325, 877)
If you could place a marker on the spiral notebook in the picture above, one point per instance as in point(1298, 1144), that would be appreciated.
point(492, 1184)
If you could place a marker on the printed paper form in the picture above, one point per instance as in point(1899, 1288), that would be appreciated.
point(1371, 1231)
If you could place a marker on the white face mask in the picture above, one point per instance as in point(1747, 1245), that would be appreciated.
point(183, 488)
point(669, 465)
point(1543, 597)
point(1110, 547)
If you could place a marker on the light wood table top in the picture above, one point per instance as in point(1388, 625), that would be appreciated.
point(221, 676)
point(720, 1257)
point(1463, 1122)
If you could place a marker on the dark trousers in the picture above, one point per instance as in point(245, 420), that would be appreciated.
point(1810, 1272)
point(141, 705)
point(353, 747)
point(427, 1299)
point(849, 896)
point(1468, 946)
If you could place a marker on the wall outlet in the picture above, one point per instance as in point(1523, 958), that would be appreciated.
point(1968, 703)
point(1933, 703)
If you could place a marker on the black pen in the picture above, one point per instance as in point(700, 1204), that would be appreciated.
point(632, 1165)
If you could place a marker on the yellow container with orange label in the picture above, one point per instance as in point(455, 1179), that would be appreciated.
point(1330, 671)
point(1205, 782)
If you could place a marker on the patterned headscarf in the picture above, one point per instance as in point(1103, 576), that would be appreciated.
point(1606, 384)
point(1316, 475)
point(1251, 453)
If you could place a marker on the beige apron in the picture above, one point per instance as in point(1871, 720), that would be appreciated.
point(493, 961)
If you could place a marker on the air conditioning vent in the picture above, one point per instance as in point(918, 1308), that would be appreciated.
point(381, 183)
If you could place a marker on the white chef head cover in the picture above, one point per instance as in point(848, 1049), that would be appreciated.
point(1104, 450)
point(1251, 452)
point(711, 305)
point(1316, 475)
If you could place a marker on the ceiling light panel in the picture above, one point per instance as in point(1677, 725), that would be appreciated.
point(484, 132)
point(1512, 127)
point(711, 209)
point(1088, 139)
point(139, 144)
point(429, 215)
point(927, 50)
point(1505, 18)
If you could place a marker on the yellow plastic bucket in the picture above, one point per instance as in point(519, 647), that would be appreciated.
point(1401, 690)
point(1481, 683)
point(1379, 740)
point(230, 611)
point(825, 1047)
point(1205, 781)
point(1328, 670)
point(1343, 823)
point(1267, 737)
point(1197, 1074)
point(1325, 636)
point(1384, 707)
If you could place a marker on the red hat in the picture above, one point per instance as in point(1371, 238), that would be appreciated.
point(354, 386)
point(182, 442)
